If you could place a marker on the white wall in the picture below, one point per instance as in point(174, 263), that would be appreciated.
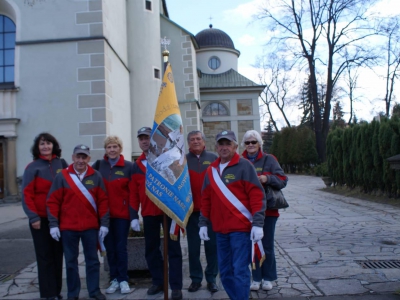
point(144, 54)
point(229, 60)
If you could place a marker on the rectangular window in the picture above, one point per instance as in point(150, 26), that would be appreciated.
point(157, 73)
point(244, 107)
point(148, 5)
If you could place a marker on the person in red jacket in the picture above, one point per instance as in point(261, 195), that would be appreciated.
point(233, 200)
point(198, 160)
point(77, 207)
point(116, 173)
point(152, 220)
point(36, 183)
point(270, 174)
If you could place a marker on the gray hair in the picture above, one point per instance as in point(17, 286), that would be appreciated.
point(252, 133)
point(194, 132)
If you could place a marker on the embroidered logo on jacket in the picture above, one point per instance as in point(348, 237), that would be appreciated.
point(89, 182)
point(230, 176)
point(58, 170)
point(206, 162)
point(119, 173)
point(258, 169)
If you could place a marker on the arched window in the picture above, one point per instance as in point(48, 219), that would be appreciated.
point(215, 109)
point(214, 63)
point(7, 50)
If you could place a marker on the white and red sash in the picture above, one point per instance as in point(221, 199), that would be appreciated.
point(257, 250)
point(228, 198)
point(84, 195)
point(174, 231)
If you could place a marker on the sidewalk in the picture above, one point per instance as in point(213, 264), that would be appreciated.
point(320, 241)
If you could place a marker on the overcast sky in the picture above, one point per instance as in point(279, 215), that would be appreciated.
point(235, 17)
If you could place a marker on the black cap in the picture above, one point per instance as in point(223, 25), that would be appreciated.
point(226, 134)
point(144, 130)
point(82, 149)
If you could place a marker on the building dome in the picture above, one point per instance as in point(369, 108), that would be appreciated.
point(214, 38)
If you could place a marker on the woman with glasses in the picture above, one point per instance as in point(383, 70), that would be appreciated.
point(270, 175)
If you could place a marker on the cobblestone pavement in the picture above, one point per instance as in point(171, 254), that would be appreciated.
point(321, 241)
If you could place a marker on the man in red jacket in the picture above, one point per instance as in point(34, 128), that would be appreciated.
point(198, 160)
point(77, 207)
point(233, 200)
point(152, 220)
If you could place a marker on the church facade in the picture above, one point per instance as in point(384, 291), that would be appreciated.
point(83, 70)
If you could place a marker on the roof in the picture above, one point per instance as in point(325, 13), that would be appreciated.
point(213, 37)
point(228, 79)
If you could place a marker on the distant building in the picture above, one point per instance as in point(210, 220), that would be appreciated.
point(83, 70)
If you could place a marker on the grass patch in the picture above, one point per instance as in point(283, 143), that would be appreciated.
point(355, 193)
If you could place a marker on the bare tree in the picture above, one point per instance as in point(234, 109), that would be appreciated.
point(320, 31)
point(350, 79)
point(390, 29)
point(278, 83)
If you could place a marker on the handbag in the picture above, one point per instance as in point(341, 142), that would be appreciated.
point(277, 199)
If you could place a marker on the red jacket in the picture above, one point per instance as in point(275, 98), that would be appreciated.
point(36, 184)
point(268, 165)
point(197, 170)
point(241, 179)
point(117, 180)
point(67, 211)
point(138, 195)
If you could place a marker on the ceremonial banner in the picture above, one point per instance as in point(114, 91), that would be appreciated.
point(167, 176)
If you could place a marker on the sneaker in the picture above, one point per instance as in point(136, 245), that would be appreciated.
point(125, 289)
point(255, 286)
point(267, 285)
point(114, 285)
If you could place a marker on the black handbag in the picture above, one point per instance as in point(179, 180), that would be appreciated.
point(277, 199)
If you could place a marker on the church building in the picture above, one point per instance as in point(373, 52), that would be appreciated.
point(83, 70)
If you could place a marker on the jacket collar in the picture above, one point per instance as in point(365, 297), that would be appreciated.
point(233, 161)
point(120, 162)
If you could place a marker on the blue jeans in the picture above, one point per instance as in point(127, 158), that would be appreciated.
point(268, 268)
point(155, 261)
point(89, 240)
point(117, 253)
point(234, 257)
point(194, 244)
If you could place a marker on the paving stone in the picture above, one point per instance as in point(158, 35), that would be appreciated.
point(341, 287)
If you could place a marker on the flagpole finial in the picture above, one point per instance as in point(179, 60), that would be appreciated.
point(165, 42)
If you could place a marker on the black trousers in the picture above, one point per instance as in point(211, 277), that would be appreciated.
point(49, 257)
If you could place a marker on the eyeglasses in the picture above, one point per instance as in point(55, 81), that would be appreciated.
point(250, 142)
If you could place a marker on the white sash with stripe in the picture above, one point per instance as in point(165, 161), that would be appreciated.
point(230, 196)
point(84, 191)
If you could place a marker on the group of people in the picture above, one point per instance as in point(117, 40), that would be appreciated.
point(97, 204)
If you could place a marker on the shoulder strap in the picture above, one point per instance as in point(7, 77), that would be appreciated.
point(64, 163)
point(96, 165)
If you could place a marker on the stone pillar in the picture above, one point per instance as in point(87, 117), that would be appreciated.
point(10, 184)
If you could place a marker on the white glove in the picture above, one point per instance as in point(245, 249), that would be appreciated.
point(256, 234)
point(203, 233)
point(135, 225)
point(55, 233)
point(103, 232)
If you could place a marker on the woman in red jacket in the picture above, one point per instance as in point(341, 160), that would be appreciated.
point(116, 173)
point(271, 175)
point(36, 183)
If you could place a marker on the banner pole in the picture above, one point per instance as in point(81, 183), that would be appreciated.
point(165, 221)
point(166, 233)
